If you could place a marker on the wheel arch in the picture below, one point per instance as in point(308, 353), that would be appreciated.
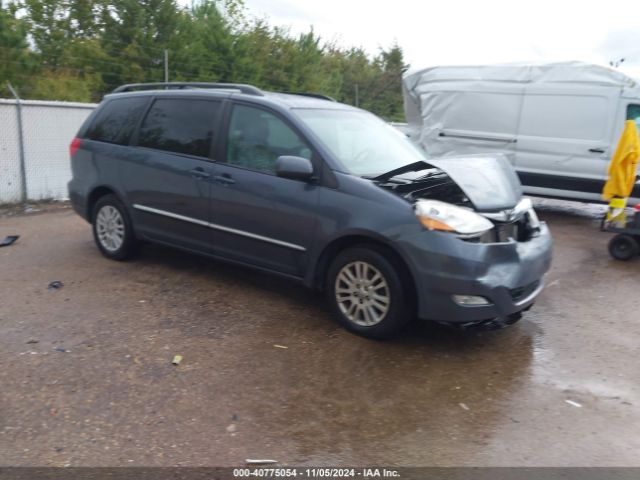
point(318, 274)
point(96, 194)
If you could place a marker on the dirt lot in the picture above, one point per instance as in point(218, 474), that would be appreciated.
point(86, 375)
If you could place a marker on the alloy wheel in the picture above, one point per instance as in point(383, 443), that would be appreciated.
point(362, 293)
point(110, 228)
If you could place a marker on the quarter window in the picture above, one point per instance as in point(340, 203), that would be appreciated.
point(257, 138)
point(180, 125)
point(116, 120)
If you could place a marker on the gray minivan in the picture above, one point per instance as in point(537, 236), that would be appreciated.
point(314, 190)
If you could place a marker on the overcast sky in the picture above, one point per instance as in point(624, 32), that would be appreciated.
point(471, 32)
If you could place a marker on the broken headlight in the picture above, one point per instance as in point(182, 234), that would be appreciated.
point(445, 217)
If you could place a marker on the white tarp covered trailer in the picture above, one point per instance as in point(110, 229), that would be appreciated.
point(557, 123)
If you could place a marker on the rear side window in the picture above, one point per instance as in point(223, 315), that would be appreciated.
point(116, 120)
point(180, 125)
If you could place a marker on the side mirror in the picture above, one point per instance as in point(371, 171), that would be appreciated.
point(294, 168)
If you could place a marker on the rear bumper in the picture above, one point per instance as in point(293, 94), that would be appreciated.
point(508, 275)
point(78, 200)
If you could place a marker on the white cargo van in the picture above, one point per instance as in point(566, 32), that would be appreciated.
point(557, 123)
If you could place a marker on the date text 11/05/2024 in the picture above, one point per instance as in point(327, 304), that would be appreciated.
point(315, 473)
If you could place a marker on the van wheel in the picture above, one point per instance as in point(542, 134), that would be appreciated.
point(623, 247)
point(367, 293)
point(112, 229)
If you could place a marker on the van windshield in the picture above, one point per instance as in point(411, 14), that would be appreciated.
point(366, 145)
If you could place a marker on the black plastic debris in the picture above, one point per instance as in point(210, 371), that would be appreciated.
point(61, 350)
point(56, 285)
point(9, 240)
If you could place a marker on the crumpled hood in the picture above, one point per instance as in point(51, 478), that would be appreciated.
point(490, 182)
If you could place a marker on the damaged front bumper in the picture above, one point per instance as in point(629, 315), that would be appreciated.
point(509, 275)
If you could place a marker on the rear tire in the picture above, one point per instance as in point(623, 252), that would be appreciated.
point(367, 293)
point(112, 229)
point(623, 247)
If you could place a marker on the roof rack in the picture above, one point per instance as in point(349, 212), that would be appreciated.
point(312, 95)
point(247, 89)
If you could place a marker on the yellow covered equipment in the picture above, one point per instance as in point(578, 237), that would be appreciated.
point(624, 164)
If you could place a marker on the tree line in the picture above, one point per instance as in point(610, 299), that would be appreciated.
point(78, 50)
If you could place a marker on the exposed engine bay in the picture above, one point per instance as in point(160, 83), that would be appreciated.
point(434, 185)
point(432, 191)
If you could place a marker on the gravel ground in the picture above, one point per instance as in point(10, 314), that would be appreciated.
point(87, 378)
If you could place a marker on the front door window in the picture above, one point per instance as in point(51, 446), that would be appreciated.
point(257, 138)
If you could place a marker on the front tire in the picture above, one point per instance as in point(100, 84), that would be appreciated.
point(367, 293)
point(112, 230)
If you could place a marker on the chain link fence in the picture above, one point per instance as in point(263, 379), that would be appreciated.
point(34, 159)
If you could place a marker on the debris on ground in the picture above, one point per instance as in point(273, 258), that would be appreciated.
point(32, 341)
point(62, 350)
point(464, 406)
point(55, 285)
point(256, 461)
point(176, 360)
point(9, 240)
point(575, 404)
point(279, 346)
point(231, 428)
point(234, 417)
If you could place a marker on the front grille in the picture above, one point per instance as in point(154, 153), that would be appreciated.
point(505, 231)
point(519, 230)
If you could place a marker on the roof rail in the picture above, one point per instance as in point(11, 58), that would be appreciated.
point(247, 89)
point(312, 95)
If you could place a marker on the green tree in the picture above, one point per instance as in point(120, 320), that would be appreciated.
point(81, 49)
point(136, 33)
point(64, 38)
point(386, 96)
point(61, 85)
point(16, 61)
point(203, 49)
point(49, 28)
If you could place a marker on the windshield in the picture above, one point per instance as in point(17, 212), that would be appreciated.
point(364, 144)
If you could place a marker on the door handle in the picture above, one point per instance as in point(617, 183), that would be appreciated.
point(596, 150)
point(199, 172)
point(225, 179)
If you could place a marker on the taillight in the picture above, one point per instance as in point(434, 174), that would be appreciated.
point(74, 146)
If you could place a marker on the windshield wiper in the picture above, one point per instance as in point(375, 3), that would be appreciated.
point(411, 167)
